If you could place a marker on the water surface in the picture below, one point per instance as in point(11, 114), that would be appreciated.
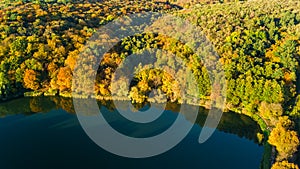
point(44, 133)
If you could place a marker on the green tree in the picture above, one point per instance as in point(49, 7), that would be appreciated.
point(4, 85)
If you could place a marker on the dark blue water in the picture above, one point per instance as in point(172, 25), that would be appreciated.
point(55, 140)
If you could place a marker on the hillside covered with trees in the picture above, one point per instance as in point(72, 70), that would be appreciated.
point(258, 43)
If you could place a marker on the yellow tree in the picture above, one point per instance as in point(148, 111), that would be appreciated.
point(270, 112)
point(284, 165)
point(31, 79)
point(64, 78)
point(285, 140)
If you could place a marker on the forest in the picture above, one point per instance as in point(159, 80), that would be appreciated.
point(258, 43)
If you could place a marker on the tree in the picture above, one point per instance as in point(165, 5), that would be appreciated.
point(4, 84)
point(270, 112)
point(31, 79)
point(64, 79)
point(284, 165)
point(136, 96)
point(284, 139)
point(296, 109)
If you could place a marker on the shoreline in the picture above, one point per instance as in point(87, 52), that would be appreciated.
point(202, 103)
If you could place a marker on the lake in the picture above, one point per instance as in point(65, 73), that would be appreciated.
point(44, 132)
